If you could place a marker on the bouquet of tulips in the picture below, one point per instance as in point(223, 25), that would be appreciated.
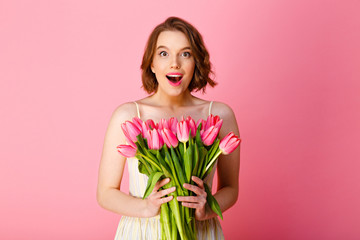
point(177, 150)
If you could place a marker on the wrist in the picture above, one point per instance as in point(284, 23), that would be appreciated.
point(148, 210)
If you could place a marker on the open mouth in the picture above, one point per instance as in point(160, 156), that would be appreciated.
point(174, 78)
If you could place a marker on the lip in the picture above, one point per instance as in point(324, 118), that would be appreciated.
point(175, 84)
point(174, 75)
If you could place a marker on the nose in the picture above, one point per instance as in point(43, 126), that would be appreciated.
point(175, 63)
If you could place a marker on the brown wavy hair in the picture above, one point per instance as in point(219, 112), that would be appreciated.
point(202, 71)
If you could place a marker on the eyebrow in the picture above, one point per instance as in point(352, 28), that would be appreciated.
point(161, 46)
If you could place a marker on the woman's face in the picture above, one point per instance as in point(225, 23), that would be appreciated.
point(173, 63)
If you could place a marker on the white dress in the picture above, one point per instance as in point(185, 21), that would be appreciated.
point(131, 228)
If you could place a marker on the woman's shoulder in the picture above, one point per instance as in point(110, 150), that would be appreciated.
point(221, 109)
point(225, 112)
point(125, 111)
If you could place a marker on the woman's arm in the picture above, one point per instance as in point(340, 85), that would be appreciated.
point(111, 171)
point(228, 165)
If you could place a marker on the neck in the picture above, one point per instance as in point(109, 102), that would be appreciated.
point(173, 101)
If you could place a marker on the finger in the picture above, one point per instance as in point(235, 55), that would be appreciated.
point(188, 199)
point(191, 205)
point(198, 181)
point(198, 191)
point(165, 192)
point(166, 199)
point(160, 184)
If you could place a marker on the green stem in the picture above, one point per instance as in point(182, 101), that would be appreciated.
point(213, 160)
point(151, 161)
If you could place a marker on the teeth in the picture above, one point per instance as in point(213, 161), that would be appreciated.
point(174, 75)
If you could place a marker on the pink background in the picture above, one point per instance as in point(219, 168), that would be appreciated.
point(289, 69)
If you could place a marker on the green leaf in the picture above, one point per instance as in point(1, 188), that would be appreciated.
point(165, 168)
point(188, 163)
point(142, 169)
point(214, 205)
point(213, 149)
point(178, 167)
point(181, 150)
point(170, 163)
point(143, 166)
point(198, 136)
point(140, 140)
point(165, 221)
point(153, 179)
point(202, 160)
point(175, 209)
point(195, 160)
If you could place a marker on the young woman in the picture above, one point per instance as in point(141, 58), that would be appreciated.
point(175, 64)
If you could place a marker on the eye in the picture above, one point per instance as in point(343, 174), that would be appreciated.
point(186, 54)
point(163, 54)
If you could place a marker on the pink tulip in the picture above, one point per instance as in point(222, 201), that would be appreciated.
point(126, 150)
point(173, 124)
point(131, 131)
point(229, 143)
point(192, 126)
point(155, 140)
point(182, 131)
point(163, 124)
point(211, 121)
point(203, 123)
point(161, 140)
point(145, 130)
point(137, 121)
point(150, 123)
point(210, 134)
point(169, 138)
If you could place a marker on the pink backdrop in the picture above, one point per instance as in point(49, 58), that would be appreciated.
point(289, 69)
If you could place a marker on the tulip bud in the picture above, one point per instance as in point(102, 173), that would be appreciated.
point(183, 131)
point(150, 124)
point(192, 126)
point(210, 134)
point(138, 122)
point(169, 138)
point(131, 131)
point(127, 150)
point(155, 140)
point(229, 143)
point(173, 124)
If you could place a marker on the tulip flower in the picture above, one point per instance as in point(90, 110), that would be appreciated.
point(155, 140)
point(131, 131)
point(211, 121)
point(192, 126)
point(137, 121)
point(126, 150)
point(229, 143)
point(210, 134)
point(150, 124)
point(182, 131)
point(169, 138)
point(163, 124)
point(203, 123)
point(173, 124)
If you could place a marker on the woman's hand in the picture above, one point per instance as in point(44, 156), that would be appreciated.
point(199, 201)
point(156, 198)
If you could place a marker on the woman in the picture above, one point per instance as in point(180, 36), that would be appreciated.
point(175, 63)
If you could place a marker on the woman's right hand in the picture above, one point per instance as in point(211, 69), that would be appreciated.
point(156, 198)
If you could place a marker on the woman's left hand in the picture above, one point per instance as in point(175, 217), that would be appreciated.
point(199, 201)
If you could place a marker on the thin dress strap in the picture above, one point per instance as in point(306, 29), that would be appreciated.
point(210, 107)
point(137, 109)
